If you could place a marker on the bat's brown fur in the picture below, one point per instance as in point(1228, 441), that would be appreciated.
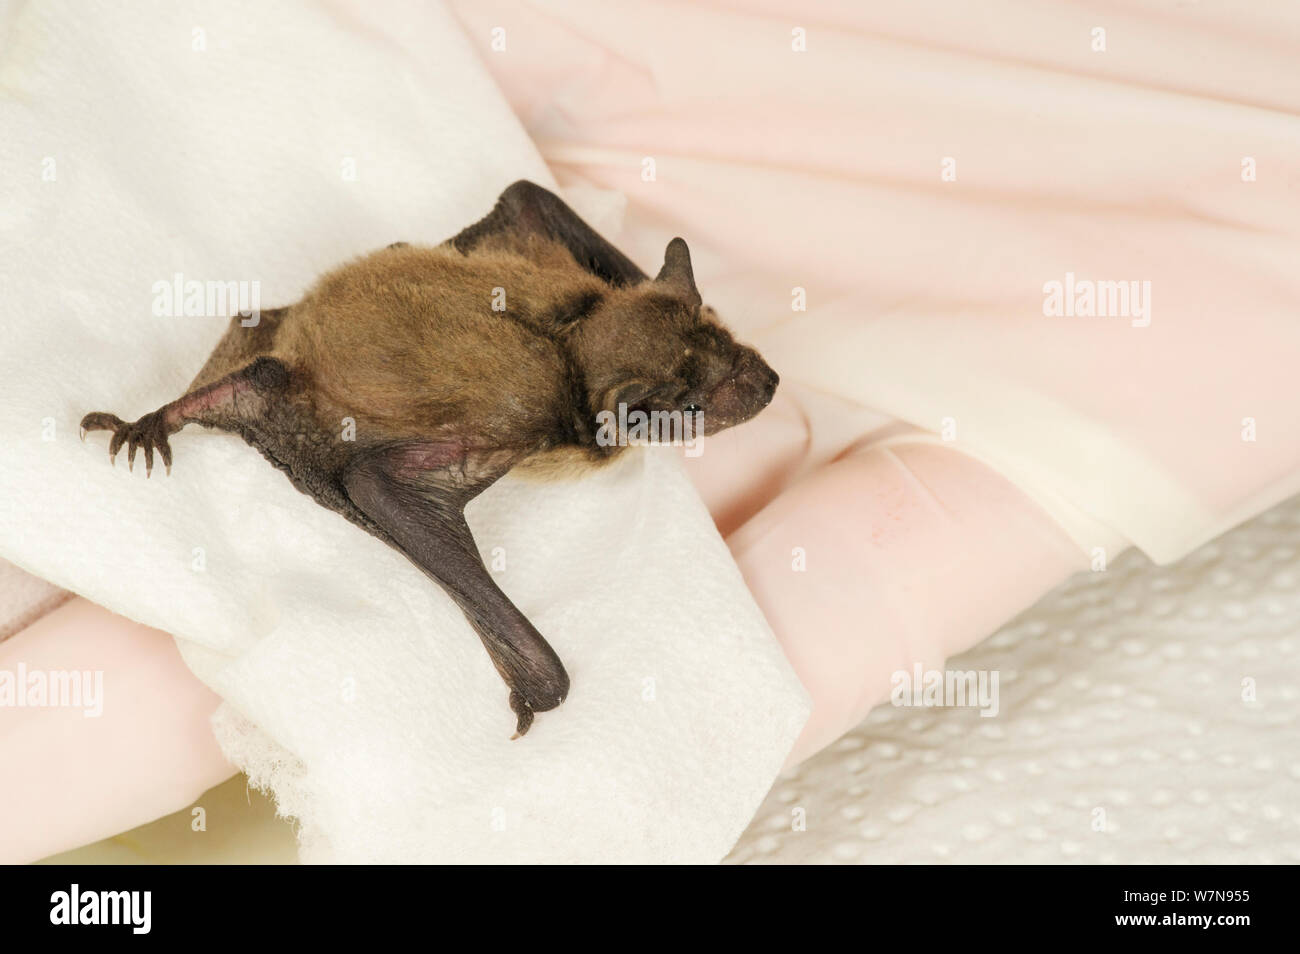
point(458, 362)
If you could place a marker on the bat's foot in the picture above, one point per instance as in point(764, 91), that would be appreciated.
point(149, 433)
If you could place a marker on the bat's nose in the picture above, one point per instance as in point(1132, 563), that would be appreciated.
point(756, 375)
point(771, 380)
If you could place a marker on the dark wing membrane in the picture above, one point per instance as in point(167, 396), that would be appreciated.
point(416, 494)
point(525, 209)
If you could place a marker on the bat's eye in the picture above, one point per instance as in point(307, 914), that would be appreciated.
point(693, 409)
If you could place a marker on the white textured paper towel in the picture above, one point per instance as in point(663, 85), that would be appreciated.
point(216, 141)
point(1148, 715)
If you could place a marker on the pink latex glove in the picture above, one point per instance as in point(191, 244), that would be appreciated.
point(898, 542)
point(75, 780)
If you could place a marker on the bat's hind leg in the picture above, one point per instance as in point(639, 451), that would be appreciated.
point(225, 403)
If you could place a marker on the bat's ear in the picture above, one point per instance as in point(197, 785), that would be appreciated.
point(677, 273)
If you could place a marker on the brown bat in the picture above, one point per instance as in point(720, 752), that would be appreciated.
point(449, 391)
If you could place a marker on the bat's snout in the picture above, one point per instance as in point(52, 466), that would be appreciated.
point(746, 390)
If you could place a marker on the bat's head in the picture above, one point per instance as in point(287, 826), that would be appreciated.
point(656, 347)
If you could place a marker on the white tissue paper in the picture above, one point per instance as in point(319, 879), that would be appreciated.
point(261, 142)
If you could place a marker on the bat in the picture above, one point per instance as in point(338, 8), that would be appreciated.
point(500, 348)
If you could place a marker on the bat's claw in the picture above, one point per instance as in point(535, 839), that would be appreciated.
point(148, 434)
point(537, 692)
point(523, 712)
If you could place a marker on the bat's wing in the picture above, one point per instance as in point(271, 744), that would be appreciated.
point(526, 209)
point(264, 403)
point(415, 493)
